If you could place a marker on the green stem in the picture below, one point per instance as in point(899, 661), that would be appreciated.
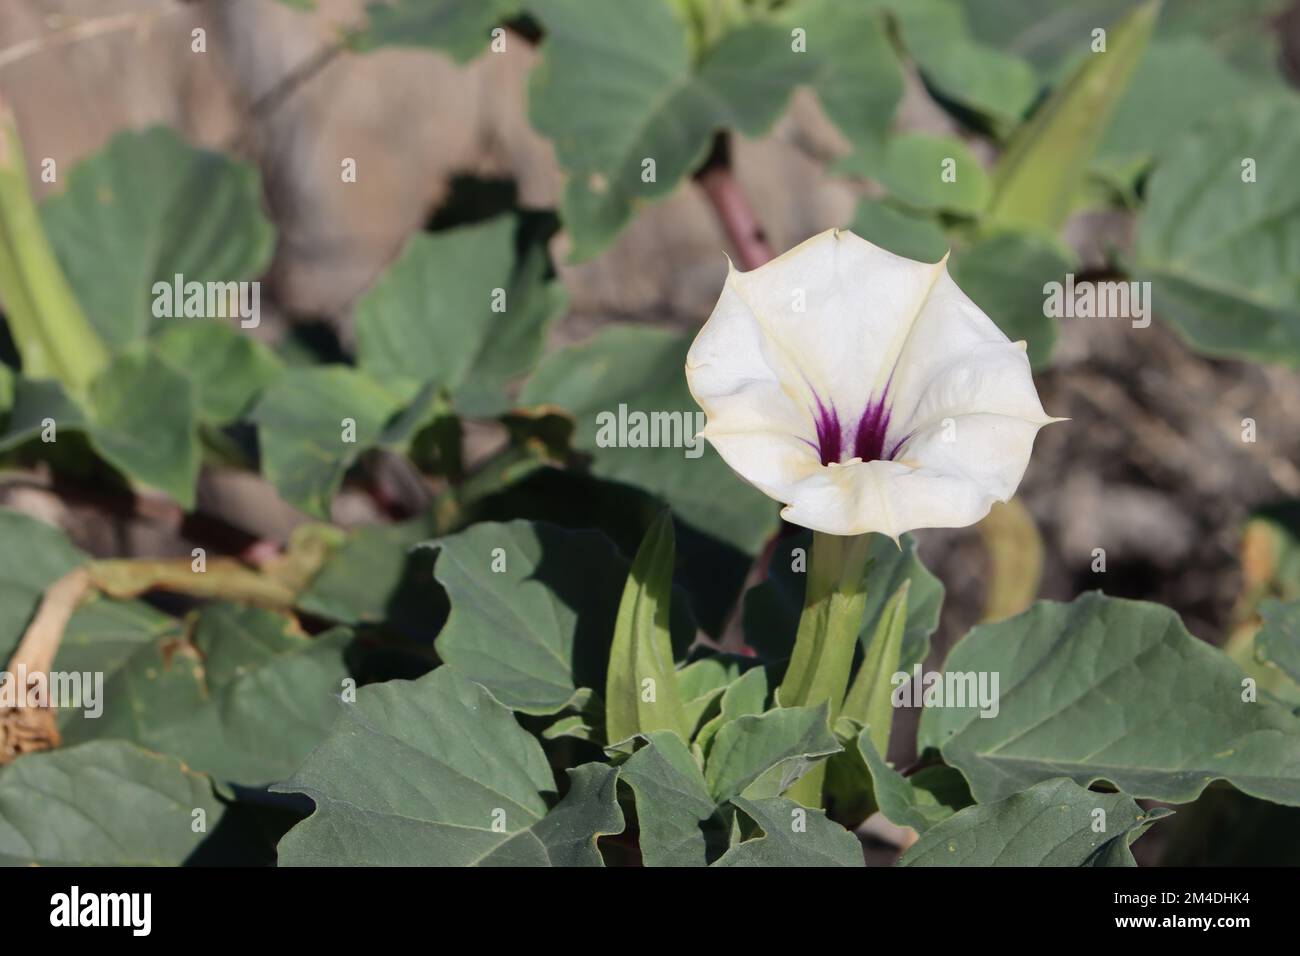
point(835, 600)
point(52, 334)
point(869, 699)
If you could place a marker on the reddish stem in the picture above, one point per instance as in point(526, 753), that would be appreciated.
point(736, 215)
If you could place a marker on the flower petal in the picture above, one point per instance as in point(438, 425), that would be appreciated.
point(837, 309)
point(957, 361)
point(840, 348)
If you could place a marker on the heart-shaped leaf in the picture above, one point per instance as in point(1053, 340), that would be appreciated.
point(685, 813)
point(631, 115)
point(435, 772)
point(210, 700)
point(141, 416)
point(928, 797)
point(227, 368)
point(1109, 689)
point(145, 209)
point(103, 804)
point(532, 611)
point(1054, 823)
point(680, 822)
point(792, 836)
point(456, 312)
point(1214, 237)
point(313, 424)
point(762, 755)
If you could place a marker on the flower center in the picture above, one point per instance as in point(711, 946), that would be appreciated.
point(869, 438)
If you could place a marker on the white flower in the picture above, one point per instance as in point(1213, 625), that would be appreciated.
point(863, 390)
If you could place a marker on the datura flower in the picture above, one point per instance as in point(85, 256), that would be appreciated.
point(863, 390)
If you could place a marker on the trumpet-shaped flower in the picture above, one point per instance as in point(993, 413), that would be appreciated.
point(864, 391)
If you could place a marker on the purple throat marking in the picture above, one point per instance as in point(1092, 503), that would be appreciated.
point(870, 437)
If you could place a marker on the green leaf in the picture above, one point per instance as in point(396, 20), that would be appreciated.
point(1216, 249)
point(680, 822)
point(431, 772)
point(710, 571)
point(302, 429)
point(376, 578)
point(227, 369)
point(903, 233)
point(455, 311)
point(1278, 641)
point(642, 368)
point(642, 647)
point(532, 611)
point(34, 401)
point(1229, 323)
point(762, 755)
point(771, 611)
point(102, 804)
point(1055, 34)
point(1039, 176)
point(703, 682)
point(1178, 84)
point(857, 78)
point(962, 69)
point(25, 572)
point(142, 418)
point(684, 814)
point(1114, 690)
point(102, 634)
point(1052, 35)
point(210, 701)
point(903, 800)
point(1051, 824)
point(616, 86)
point(567, 835)
point(1245, 32)
point(459, 28)
point(746, 695)
point(149, 207)
point(792, 836)
point(1005, 276)
point(845, 790)
point(924, 172)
